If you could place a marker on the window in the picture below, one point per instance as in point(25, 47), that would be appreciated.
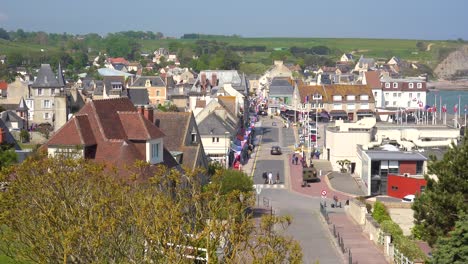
point(411, 85)
point(409, 104)
point(39, 91)
point(410, 95)
point(317, 96)
point(394, 103)
point(375, 94)
point(337, 106)
point(387, 94)
point(395, 85)
point(46, 104)
point(364, 106)
point(399, 95)
point(393, 167)
point(351, 106)
point(419, 167)
point(158, 93)
point(387, 103)
point(337, 98)
point(194, 138)
point(387, 85)
point(350, 97)
point(418, 95)
point(394, 188)
point(394, 94)
point(365, 97)
point(213, 139)
point(155, 150)
point(46, 115)
point(419, 85)
point(217, 139)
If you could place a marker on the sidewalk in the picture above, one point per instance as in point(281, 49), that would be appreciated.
point(362, 249)
point(249, 167)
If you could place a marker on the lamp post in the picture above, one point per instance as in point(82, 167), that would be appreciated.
point(226, 157)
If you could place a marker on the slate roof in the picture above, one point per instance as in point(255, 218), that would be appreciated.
point(213, 123)
point(138, 96)
point(281, 87)
point(176, 126)
point(141, 81)
point(46, 78)
point(60, 78)
point(109, 80)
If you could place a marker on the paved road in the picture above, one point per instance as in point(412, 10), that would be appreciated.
point(308, 227)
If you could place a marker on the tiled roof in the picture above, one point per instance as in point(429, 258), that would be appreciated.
point(174, 125)
point(76, 131)
point(229, 102)
point(372, 79)
point(117, 60)
point(136, 127)
point(311, 90)
point(328, 91)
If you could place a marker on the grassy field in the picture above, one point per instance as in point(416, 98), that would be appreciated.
point(376, 48)
point(380, 49)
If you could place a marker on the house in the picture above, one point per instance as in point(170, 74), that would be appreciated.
point(155, 86)
point(394, 61)
point(346, 102)
point(111, 87)
point(372, 79)
point(364, 64)
point(135, 67)
point(113, 132)
point(48, 102)
point(347, 57)
point(281, 93)
point(182, 138)
point(277, 70)
point(403, 93)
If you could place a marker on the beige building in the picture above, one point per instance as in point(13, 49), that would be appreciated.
point(156, 88)
point(47, 98)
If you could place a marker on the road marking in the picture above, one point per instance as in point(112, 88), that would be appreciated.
point(270, 186)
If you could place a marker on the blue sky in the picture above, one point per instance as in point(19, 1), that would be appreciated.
point(408, 19)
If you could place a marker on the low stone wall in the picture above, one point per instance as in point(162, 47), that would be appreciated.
point(372, 228)
point(393, 204)
point(357, 211)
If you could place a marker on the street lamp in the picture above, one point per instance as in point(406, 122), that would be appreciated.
point(226, 157)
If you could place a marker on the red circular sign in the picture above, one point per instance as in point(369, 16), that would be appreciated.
point(324, 193)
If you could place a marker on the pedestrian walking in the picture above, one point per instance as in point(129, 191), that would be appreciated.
point(297, 159)
point(277, 178)
point(264, 176)
point(270, 178)
point(293, 158)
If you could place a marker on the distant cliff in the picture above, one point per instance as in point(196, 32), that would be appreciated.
point(454, 66)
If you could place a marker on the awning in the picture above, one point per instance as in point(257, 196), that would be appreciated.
point(338, 113)
point(365, 112)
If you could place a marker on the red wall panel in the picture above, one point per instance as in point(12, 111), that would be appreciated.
point(408, 167)
point(399, 186)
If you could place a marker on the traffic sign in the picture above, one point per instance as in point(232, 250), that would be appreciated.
point(324, 193)
point(258, 188)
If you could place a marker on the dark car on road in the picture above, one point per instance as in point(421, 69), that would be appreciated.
point(275, 150)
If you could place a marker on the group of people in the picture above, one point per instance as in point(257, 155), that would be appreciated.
point(295, 159)
point(268, 177)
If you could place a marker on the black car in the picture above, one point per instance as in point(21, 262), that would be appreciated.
point(275, 150)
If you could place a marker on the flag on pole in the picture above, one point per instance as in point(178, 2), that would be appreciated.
point(420, 103)
point(444, 108)
point(455, 109)
point(434, 109)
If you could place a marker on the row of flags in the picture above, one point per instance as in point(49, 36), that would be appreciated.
point(433, 109)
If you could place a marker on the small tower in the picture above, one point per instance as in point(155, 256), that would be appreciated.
point(23, 112)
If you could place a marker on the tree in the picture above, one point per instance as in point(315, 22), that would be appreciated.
point(454, 248)
point(7, 155)
point(233, 180)
point(436, 210)
point(4, 34)
point(121, 46)
point(343, 163)
point(83, 213)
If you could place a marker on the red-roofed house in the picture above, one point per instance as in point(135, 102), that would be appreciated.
point(113, 132)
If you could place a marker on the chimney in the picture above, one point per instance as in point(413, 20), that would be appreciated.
point(214, 80)
point(148, 113)
point(2, 136)
point(203, 80)
point(141, 110)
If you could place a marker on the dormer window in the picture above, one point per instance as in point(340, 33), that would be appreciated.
point(387, 85)
point(116, 85)
point(194, 138)
point(395, 85)
point(148, 83)
point(364, 97)
point(317, 96)
point(350, 97)
point(419, 85)
point(411, 85)
point(155, 151)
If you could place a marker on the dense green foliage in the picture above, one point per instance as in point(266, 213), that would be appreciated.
point(234, 180)
point(439, 206)
point(8, 155)
point(453, 249)
point(380, 212)
point(61, 210)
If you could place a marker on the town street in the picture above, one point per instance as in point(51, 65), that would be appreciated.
point(307, 227)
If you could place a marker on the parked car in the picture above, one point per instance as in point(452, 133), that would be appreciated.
point(408, 198)
point(275, 150)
